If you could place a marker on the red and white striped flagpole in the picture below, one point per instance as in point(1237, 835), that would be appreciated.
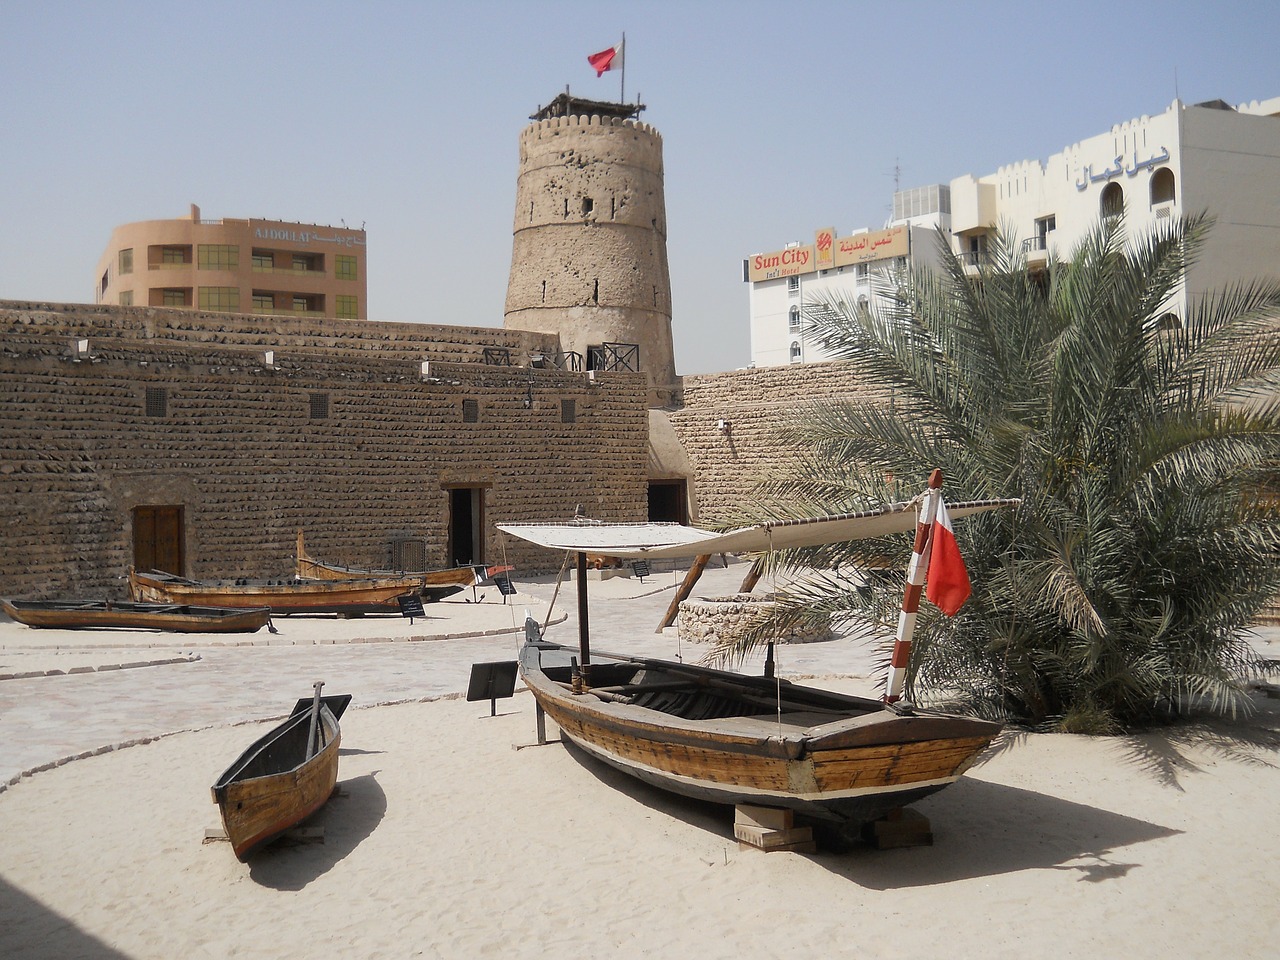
point(916, 574)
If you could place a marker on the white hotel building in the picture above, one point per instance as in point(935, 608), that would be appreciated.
point(1209, 157)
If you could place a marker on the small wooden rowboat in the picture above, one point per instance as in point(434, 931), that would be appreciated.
point(284, 777)
point(105, 614)
point(309, 568)
point(283, 596)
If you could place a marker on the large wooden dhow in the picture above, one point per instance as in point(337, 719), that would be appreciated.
point(283, 596)
point(436, 584)
point(284, 777)
point(730, 738)
point(108, 614)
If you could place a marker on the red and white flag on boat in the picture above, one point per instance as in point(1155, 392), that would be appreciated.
point(947, 583)
point(610, 59)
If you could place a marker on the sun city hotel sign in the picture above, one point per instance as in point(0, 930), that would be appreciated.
point(828, 251)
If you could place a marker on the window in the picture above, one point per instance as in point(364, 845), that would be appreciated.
point(175, 256)
point(263, 261)
point(126, 261)
point(319, 406)
point(102, 285)
point(344, 267)
point(347, 307)
point(308, 262)
point(795, 351)
point(793, 286)
point(568, 411)
point(308, 303)
point(793, 319)
point(861, 271)
point(470, 411)
point(263, 302)
point(1112, 201)
point(1162, 186)
point(174, 297)
point(218, 256)
point(126, 298)
point(157, 402)
point(220, 298)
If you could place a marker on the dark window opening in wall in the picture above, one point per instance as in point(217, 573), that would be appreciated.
point(308, 262)
point(531, 211)
point(158, 540)
point(157, 402)
point(308, 303)
point(1112, 201)
point(613, 208)
point(319, 405)
point(568, 411)
point(466, 526)
point(566, 208)
point(544, 291)
point(470, 411)
point(668, 501)
point(595, 291)
point(1162, 186)
point(587, 205)
point(103, 287)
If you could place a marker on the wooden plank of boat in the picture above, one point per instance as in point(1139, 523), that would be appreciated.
point(710, 734)
point(285, 596)
point(283, 777)
point(107, 614)
point(309, 568)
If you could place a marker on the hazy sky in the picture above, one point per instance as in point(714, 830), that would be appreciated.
point(777, 118)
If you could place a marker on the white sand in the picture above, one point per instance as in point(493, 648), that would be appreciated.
point(447, 842)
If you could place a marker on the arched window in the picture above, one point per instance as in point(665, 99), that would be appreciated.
point(1162, 186)
point(795, 351)
point(793, 318)
point(1112, 204)
point(1168, 321)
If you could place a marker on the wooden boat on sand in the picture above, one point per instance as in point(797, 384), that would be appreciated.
point(105, 614)
point(729, 738)
point(284, 777)
point(283, 596)
point(309, 568)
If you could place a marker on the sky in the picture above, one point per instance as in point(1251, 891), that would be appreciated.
point(777, 119)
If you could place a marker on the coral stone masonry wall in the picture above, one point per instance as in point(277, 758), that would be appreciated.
point(729, 461)
point(340, 435)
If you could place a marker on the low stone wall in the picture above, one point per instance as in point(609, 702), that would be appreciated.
point(716, 619)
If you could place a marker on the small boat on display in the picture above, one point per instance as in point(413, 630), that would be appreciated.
point(284, 777)
point(105, 614)
point(751, 740)
point(309, 568)
point(283, 596)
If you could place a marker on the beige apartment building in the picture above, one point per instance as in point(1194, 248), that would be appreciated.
point(235, 266)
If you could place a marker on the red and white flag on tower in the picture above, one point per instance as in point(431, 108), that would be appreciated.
point(610, 59)
point(947, 582)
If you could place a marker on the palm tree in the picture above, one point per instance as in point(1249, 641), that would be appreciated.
point(1145, 451)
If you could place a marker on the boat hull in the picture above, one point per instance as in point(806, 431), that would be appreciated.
point(273, 785)
point(282, 597)
point(175, 618)
point(828, 757)
point(436, 584)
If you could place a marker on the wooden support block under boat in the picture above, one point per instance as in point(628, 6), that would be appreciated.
point(899, 828)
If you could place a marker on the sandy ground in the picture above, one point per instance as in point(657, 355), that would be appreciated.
point(447, 841)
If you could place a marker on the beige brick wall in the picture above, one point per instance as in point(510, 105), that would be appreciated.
point(754, 403)
point(239, 450)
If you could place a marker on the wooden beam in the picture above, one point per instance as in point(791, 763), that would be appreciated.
point(686, 587)
point(753, 575)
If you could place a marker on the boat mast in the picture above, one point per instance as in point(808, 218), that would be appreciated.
point(916, 573)
point(584, 628)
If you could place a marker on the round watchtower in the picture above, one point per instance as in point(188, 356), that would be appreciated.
point(589, 254)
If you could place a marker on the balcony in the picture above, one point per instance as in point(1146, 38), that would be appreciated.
point(1035, 250)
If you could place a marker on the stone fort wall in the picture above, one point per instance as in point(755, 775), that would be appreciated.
point(728, 464)
point(341, 436)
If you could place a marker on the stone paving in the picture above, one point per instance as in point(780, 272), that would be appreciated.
point(67, 694)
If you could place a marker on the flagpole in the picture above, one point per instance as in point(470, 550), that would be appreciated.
point(916, 574)
point(622, 90)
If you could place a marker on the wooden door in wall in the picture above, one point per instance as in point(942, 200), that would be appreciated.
point(158, 542)
point(466, 525)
